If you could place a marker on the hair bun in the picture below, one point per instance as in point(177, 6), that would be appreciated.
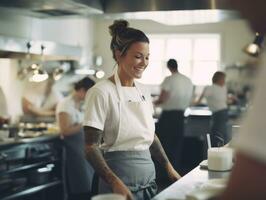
point(118, 26)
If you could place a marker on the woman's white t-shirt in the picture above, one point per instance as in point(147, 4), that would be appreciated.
point(102, 111)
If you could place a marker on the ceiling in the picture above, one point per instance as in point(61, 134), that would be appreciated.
point(179, 11)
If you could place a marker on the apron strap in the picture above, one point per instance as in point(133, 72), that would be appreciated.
point(119, 86)
point(149, 190)
point(137, 188)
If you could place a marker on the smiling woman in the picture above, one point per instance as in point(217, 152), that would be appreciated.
point(134, 63)
point(118, 120)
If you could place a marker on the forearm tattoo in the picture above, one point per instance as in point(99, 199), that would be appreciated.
point(94, 155)
point(158, 152)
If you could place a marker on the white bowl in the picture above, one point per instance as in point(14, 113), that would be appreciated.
point(108, 197)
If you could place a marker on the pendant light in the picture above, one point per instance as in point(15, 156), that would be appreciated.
point(57, 74)
point(255, 47)
point(38, 74)
point(24, 71)
point(99, 74)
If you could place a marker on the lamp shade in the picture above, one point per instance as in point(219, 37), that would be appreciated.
point(255, 47)
point(38, 75)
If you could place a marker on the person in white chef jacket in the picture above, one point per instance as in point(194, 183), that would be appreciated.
point(118, 121)
point(248, 177)
point(69, 115)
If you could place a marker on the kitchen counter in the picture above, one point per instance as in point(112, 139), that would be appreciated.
point(188, 183)
point(9, 142)
point(198, 111)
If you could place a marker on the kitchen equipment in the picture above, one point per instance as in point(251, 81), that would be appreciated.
point(108, 197)
point(220, 159)
point(40, 175)
point(5, 184)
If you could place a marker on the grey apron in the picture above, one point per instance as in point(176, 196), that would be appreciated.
point(79, 172)
point(219, 128)
point(135, 169)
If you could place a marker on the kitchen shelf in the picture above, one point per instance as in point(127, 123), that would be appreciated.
point(29, 166)
point(30, 190)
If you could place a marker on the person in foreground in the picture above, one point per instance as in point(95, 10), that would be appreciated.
point(118, 121)
point(69, 115)
point(248, 177)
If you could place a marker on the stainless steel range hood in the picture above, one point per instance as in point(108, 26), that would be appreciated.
point(53, 8)
point(17, 48)
point(171, 12)
point(46, 8)
point(120, 6)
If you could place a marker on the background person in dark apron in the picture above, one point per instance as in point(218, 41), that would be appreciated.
point(69, 115)
point(175, 97)
point(216, 96)
point(118, 120)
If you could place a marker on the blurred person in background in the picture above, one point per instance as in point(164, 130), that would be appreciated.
point(40, 99)
point(175, 97)
point(216, 96)
point(69, 115)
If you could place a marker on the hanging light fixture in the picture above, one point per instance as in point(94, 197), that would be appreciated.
point(98, 63)
point(58, 73)
point(24, 71)
point(255, 47)
point(38, 74)
point(84, 71)
point(99, 74)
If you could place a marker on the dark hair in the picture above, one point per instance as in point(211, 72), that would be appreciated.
point(172, 64)
point(123, 36)
point(218, 76)
point(85, 83)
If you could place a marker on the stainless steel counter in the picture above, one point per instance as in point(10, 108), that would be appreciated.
point(189, 182)
point(16, 141)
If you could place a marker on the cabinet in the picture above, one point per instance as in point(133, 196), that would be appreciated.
point(32, 169)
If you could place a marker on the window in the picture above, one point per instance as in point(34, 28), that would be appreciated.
point(198, 57)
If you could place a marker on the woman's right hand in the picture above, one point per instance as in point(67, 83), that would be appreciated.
point(120, 188)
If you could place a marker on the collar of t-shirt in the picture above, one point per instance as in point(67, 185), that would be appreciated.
point(131, 94)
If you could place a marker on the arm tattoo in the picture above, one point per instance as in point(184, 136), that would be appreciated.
point(94, 155)
point(158, 152)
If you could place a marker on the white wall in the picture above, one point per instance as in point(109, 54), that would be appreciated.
point(11, 86)
point(70, 31)
point(235, 34)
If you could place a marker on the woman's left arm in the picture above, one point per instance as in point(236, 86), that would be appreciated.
point(158, 153)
